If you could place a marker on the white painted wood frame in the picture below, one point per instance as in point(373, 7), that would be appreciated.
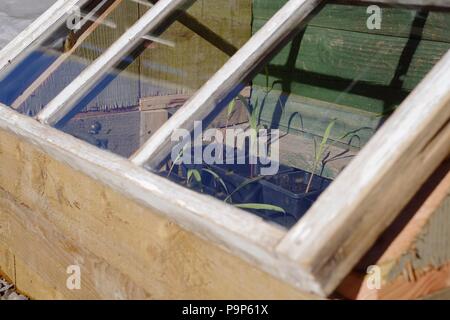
point(239, 66)
point(368, 194)
point(65, 100)
point(343, 223)
point(43, 26)
point(323, 254)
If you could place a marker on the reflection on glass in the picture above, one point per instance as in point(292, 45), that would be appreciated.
point(33, 81)
point(326, 92)
point(139, 94)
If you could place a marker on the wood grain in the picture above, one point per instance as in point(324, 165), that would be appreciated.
point(204, 102)
point(337, 61)
point(60, 216)
point(184, 68)
point(365, 198)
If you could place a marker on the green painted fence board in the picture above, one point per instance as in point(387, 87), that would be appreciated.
point(369, 72)
point(396, 22)
point(337, 60)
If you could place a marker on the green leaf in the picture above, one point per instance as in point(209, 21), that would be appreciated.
point(231, 107)
point(325, 137)
point(194, 173)
point(260, 206)
point(318, 155)
point(217, 178)
point(245, 103)
point(254, 116)
point(180, 154)
point(242, 185)
point(266, 71)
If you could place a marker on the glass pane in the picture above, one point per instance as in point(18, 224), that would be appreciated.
point(139, 94)
point(33, 81)
point(311, 108)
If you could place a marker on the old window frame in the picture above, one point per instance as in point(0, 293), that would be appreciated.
point(342, 224)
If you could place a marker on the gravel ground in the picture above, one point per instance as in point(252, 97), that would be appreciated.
point(7, 291)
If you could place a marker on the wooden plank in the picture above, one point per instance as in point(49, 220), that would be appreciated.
point(300, 115)
point(154, 113)
point(61, 215)
point(243, 234)
point(441, 295)
point(368, 72)
point(370, 192)
point(429, 3)
point(428, 283)
point(63, 57)
point(412, 254)
point(339, 155)
point(162, 102)
point(32, 284)
point(432, 214)
point(7, 260)
point(396, 21)
point(226, 79)
point(186, 67)
point(63, 102)
point(118, 132)
point(150, 122)
point(202, 270)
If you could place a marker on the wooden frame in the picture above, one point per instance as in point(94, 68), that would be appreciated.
point(33, 34)
point(412, 254)
point(377, 184)
point(226, 79)
point(61, 59)
point(153, 18)
point(316, 254)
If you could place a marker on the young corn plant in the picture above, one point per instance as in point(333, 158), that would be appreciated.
point(230, 109)
point(177, 159)
point(254, 206)
point(217, 179)
point(260, 206)
point(319, 153)
point(194, 174)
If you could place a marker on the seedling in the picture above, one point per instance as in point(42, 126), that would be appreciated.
point(230, 110)
point(177, 159)
point(319, 153)
point(217, 178)
point(242, 185)
point(194, 173)
point(260, 206)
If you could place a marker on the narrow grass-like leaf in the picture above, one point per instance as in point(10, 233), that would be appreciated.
point(318, 155)
point(217, 178)
point(231, 107)
point(180, 154)
point(245, 103)
point(243, 185)
point(194, 173)
point(260, 206)
point(325, 137)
